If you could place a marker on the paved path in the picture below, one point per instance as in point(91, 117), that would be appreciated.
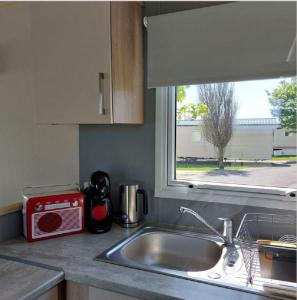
point(276, 176)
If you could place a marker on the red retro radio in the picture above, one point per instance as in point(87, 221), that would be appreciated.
point(52, 211)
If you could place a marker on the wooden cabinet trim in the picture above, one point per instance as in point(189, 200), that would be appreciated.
point(127, 62)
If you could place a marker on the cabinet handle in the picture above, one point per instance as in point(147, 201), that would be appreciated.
point(101, 108)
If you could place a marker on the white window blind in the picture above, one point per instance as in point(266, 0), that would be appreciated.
point(228, 42)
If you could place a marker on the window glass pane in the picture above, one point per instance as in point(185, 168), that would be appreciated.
point(239, 133)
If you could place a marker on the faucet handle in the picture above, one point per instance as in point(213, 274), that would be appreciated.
point(228, 229)
point(225, 219)
point(227, 222)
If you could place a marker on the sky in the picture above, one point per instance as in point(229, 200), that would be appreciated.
point(250, 95)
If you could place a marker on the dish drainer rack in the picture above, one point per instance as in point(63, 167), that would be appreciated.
point(262, 226)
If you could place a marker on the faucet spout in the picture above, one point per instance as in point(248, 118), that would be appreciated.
point(184, 210)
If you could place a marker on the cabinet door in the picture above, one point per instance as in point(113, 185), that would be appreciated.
point(54, 293)
point(99, 294)
point(71, 61)
point(78, 291)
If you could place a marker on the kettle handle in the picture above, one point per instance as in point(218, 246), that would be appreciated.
point(144, 199)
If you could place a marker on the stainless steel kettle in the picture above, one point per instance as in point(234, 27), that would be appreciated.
point(134, 205)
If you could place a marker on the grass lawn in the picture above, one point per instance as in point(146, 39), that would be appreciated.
point(185, 167)
point(284, 157)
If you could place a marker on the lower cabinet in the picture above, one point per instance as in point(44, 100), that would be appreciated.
point(55, 293)
point(77, 291)
point(99, 294)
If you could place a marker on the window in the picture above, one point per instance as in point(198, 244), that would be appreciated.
point(288, 133)
point(225, 133)
point(227, 137)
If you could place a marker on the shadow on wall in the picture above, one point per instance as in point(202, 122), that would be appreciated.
point(11, 226)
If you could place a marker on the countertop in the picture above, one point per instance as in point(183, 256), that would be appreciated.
point(25, 281)
point(74, 255)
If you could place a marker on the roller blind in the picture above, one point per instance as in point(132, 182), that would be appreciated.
point(228, 42)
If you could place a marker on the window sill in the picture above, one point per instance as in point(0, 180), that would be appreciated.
point(247, 197)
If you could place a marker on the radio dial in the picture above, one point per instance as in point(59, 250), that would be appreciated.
point(75, 203)
point(38, 207)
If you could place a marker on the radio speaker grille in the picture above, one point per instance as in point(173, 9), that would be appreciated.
point(56, 222)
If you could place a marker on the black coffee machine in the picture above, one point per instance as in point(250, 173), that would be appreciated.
point(98, 206)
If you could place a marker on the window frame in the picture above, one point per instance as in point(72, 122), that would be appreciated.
point(167, 187)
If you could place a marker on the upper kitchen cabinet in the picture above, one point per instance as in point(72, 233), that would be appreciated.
point(87, 62)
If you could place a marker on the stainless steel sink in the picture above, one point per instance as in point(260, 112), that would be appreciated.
point(188, 255)
point(167, 251)
point(172, 251)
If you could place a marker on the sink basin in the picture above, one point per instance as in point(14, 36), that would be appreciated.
point(187, 255)
point(173, 251)
point(166, 251)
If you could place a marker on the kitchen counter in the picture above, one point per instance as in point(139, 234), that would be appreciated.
point(24, 281)
point(75, 256)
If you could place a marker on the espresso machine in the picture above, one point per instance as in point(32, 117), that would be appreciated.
point(98, 206)
point(134, 205)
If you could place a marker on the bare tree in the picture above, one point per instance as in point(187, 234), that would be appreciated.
point(217, 123)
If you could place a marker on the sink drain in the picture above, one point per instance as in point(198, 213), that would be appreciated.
point(214, 275)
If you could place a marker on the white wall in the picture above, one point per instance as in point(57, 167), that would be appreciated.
point(281, 140)
point(247, 142)
point(30, 154)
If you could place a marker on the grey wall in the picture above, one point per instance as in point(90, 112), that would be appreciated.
point(167, 212)
point(127, 153)
point(10, 226)
point(152, 8)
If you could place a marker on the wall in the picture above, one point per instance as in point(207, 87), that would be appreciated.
point(168, 212)
point(30, 154)
point(11, 226)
